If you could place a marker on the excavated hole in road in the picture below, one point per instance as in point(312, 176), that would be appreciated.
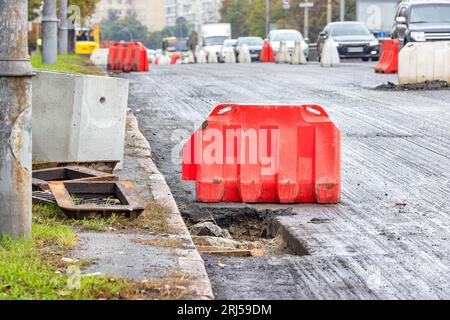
point(254, 232)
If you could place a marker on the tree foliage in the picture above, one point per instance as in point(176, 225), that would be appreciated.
point(126, 29)
point(247, 17)
point(87, 8)
point(33, 9)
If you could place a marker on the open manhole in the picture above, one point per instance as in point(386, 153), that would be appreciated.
point(240, 231)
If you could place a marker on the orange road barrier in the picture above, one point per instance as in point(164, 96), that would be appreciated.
point(175, 57)
point(267, 54)
point(128, 57)
point(389, 57)
point(265, 153)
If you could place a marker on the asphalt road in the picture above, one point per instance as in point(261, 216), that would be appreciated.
point(390, 236)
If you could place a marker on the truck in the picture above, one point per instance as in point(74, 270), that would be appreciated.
point(213, 36)
point(378, 15)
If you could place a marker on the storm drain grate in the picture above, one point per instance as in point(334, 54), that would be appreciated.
point(43, 197)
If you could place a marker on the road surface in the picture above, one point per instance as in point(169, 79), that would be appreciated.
point(390, 236)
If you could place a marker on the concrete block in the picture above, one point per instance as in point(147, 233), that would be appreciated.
point(230, 56)
point(419, 62)
point(201, 57)
point(244, 55)
point(298, 56)
point(100, 57)
point(330, 55)
point(283, 55)
point(78, 117)
point(212, 57)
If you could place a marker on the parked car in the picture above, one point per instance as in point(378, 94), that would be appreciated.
point(418, 21)
point(290, 37)
point(254, 44)
point(230, 43)
point(353, 38)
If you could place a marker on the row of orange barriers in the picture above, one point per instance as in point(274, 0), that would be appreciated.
point(128, 57)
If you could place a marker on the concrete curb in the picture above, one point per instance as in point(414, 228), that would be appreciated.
point(190, 261)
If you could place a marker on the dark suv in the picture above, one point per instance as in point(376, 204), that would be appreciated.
point(418, 21)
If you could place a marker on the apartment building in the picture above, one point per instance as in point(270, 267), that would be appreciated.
point(151, 13)
point(194, 11)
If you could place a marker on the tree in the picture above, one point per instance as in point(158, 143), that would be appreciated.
point(33, 9)
point(87, 8)
point(248, 17)
point(127, 29)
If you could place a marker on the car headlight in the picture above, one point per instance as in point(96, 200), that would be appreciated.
point(374, 43)
point(418, 36)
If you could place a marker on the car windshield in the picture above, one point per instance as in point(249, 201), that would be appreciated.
point(286, 36)
point(350, 29)
point(432, 13)
point(229, 43)
point(251, 41)
point(215, 41)
point(182, 45)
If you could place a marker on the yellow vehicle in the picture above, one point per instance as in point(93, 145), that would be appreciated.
point(87, 40)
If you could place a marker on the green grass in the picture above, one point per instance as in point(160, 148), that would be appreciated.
point(35, 268)
point(52, 212)
point(41, 268)
point(69, 64)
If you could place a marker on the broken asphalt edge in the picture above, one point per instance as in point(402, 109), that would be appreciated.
point(191, 263)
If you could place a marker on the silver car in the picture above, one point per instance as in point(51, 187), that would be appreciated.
point(289, 36)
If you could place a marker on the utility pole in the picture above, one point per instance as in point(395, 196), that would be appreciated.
point(342, 10)
point(63, 29)
point(329, 11)
point(306, 5)
point(49, 32)
point(267, 17)
point(15, 121)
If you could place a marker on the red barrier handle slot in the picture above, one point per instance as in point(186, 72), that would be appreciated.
point(222, 109)
point(314, 113)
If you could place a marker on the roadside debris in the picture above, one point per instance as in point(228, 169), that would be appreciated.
point(248, 237)
point(427, 85)
point(209, 229)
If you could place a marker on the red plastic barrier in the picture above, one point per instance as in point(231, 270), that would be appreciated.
point(128, 57)
point(265, 153)
point(388, 62)
point(175, 57)
point(267, 54)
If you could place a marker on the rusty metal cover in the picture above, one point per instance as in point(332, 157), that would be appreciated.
point(43, 176)
point(81, 199)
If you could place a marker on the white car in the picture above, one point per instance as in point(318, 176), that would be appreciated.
point(290, 37)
